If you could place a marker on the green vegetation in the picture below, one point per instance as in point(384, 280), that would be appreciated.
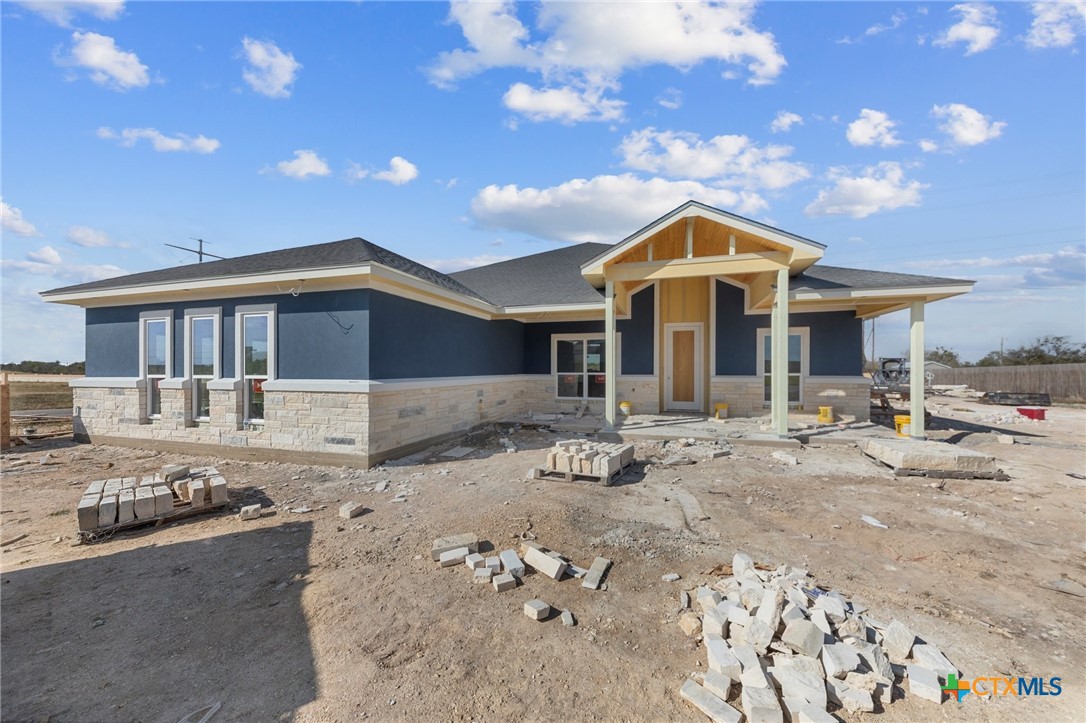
point(38, 367)
point(1045, 350)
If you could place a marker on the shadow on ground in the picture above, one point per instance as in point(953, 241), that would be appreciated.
point(155, 633)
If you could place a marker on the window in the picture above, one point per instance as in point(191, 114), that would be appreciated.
point(156, 355)
point(580, 367)
point(203, 358)
point(255, 349)
point(797, 363)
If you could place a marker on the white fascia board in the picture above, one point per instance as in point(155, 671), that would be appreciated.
point(876, 293)
point(551, 309)
point(107, 382)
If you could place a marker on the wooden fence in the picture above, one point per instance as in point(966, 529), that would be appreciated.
point(1065, 382)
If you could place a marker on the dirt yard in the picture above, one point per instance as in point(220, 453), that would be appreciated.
point(40, 395)
point(303, 616)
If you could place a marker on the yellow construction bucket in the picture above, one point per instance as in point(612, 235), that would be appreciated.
point(825, 415)
point(626, 408)
point(902, 424)
point(721, 410)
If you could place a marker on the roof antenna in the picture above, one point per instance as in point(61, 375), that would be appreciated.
point(200, 253)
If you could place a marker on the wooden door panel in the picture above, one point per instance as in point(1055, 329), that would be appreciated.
point(682, 347)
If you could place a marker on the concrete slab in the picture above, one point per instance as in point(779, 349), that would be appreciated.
point(457, 452)
point(928, 455)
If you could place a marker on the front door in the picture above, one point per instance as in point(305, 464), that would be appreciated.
point(684, 371)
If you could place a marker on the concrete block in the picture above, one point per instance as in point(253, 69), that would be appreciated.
point(545, 564)
point(927, 455)
point(800, 663)
point(738, 615)
point(721, 657)
point(759, 635)
point(474, 561)
point(145, 503)
point(453, 557)
point(708, 703)
point(897, 641)
point(172, 472)
point(839, 659)
point(452, 542)
point(811, 714)
point(754, 677)
point(718, 684)
point(708, 598)
point(820, 621)
point(804, 637)
point(834, 608)
point(107, 511)
point(181, 489)
point(929, 657)
point(126, 506)
point(671, 577)
point(217, 490)
point(874, 658)
point(595, 573)
point(87, 513)
point(852, 699)
point(250, 512)
point(511, 563)
point(163, 500)
point(924, 683)
point(810, 688)
point(129, 483)
point(537, 609)
point(791, 613)
point(97, 486)
point(770, 607)
point(742, 564)
point(482, 575)
point(567, 619)
point(198, 493)
point(148, 481)
point(494, 563)
point(503, 582)
point(350, 510)
point(715, 622)
point(760, 705)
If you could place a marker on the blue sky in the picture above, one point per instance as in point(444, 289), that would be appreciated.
point(926, 138)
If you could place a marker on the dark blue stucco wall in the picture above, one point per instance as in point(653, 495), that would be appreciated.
point(410, 339)
point(836, 337)
point(321, 335)
point(637, 337)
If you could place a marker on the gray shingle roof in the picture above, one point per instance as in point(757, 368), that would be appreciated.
point(825, 278)
point(348, 252)
point(550, 277)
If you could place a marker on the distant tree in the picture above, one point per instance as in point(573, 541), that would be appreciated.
point(39, 367)
point(944, 356)
point(1045, 350)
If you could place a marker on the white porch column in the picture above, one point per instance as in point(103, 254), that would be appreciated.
point(779, 367)
point(610, 365)
point(916, 370)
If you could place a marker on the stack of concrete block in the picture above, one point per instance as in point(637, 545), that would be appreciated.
point(580, 456)
point(126, 499)
point(780, 648)
point(505, 569)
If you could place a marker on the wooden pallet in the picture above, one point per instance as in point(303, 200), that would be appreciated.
point(179, 513)
point(582, 477)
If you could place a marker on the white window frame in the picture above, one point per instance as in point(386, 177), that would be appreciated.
point(804, 334)
point(268, 310)
point(586, 337)
point(164, 315)
point(191, 315)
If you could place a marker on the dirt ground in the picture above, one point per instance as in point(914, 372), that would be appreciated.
point(303, 616)
point(40, 395)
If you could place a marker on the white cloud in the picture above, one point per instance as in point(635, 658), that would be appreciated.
point(967, 126)
point(108, 65)
point(88, 237)
point(564, 104)
point(672, 99)
point(587, 47)
point(12, 220)
point(1056, 24)
point(1066, 267)
point(927, 145)
point(733, 160)
point(603, 208)
point(978, 28)
point(305, 164)
point(872, 128)
point(62, 13)
point(880, 188)
point(400, 171)
point(162, 143)
point(270, 71)
point(355, 171)
point(896, 20)
point(448, 266)
point(47, 261)
point(784, 121)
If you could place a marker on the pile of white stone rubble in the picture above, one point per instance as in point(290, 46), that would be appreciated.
point(118, 501)
point(584, 457)
point(780, 648)
point(506, 569)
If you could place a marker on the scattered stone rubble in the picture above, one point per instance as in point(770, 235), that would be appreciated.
point(584, 457)
point(780, 648)
point(127, 499)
